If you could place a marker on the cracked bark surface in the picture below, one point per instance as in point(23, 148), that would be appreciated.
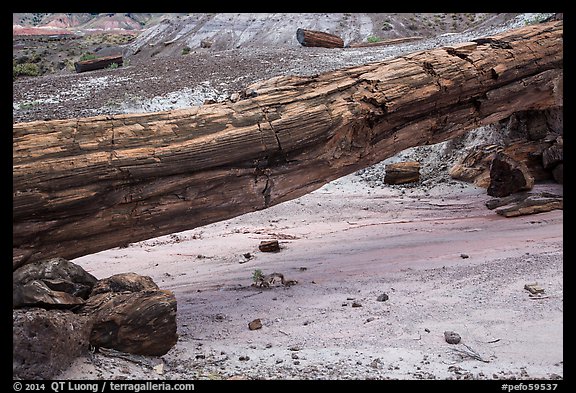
point(85, 185)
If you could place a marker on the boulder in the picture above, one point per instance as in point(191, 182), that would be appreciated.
point(508, 176)
point(55, 282)
point(141, 323)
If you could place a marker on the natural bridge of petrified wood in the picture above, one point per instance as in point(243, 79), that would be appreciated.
point(90, 184)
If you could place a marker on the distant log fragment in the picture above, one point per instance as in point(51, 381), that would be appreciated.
point(318, 38)
point(402, 172)
point(99, 63)
point(85, 185)
point(269, 246)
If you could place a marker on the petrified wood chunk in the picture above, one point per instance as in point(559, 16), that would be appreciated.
point(45, 342)
point(131, 314)
point(402, 172)
point(56, 282)
point(269, 246)
point(508, 176)
point(124, 282)
point(553, 155)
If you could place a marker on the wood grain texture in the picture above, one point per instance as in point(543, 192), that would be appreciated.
point(89, 184)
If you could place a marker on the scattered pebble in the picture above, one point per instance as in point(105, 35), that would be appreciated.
point(382, 298)
point(356, 304)
point(255, 324)
point(452, 337)
point(464, 256)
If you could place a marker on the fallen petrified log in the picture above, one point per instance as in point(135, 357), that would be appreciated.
point(98, 63)
point(90, 184)
point(402, 172)
point(318, 38)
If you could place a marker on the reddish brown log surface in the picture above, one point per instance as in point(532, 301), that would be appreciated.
point(318, 38)
point(89, 184)
point(96, 64)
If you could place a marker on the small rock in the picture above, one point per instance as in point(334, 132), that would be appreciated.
point(296, 362)
point(382, 298)
point(427, 330)
point(370, 319)
point(464, 256)
point(452, 337)
point(244, 358)
point(356, 304)
point(294, 356)
point(534, 288)
point(255, 324)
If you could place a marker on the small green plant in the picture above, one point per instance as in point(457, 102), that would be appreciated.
point(185, 51)
point(257, 275)
point(87, 56)
point(25, 69)
point(373, 39)
point(113, 66)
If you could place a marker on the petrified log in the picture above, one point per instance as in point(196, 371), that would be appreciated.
point(402, 172)
point(526, 203)
point(508, 176)
point(318, 38)
point(89, 184)
point(98, 63)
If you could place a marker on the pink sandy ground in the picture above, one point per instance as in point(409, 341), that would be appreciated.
point(348, 243)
